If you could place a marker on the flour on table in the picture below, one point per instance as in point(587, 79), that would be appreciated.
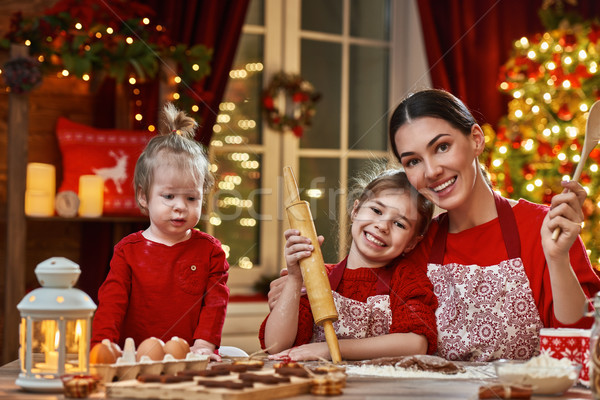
point(470, 372)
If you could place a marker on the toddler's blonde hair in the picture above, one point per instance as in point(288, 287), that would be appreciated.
point(175, 145)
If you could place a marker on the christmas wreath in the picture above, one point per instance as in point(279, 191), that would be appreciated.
point(289, 103)
point(22, 74)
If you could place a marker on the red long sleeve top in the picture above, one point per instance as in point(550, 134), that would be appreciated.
point(412, 302)
point(163, 291)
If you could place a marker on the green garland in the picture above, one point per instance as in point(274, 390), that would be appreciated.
point(90, 37)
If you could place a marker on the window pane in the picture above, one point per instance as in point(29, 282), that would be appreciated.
point(321, 65)
point(319, 185)
point(236, 218)
point(256, 13)
point(364, 13)
point(322, 16)
point(368, 98)
point(239, 119)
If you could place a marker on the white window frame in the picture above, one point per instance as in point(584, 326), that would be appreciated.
point(282, 35)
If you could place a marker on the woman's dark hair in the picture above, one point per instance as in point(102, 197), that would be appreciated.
point(431, 103)
point(434, 103)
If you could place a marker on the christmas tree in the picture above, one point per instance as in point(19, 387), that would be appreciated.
point(553, 80)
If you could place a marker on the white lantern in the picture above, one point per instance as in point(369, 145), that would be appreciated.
point(55, 328)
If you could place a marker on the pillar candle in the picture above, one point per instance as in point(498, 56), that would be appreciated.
point(40, 189)
point(91, 195)
point(39, 203)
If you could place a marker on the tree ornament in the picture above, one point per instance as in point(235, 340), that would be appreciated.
point(289, 103)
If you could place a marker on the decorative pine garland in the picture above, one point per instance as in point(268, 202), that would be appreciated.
point(289, 103)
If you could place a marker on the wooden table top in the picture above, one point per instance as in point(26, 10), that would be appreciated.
point(357, 388)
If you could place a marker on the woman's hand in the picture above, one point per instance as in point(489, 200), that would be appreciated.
point(565, 213)
point(310, 351)
point(205, 348)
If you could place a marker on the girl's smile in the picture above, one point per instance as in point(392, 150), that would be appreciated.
point(383, 227)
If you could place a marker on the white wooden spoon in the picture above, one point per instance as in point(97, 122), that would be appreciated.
point(592, 137)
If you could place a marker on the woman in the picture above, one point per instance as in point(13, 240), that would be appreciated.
point(498, 274)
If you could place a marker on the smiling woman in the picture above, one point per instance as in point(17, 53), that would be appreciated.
point(529, 281)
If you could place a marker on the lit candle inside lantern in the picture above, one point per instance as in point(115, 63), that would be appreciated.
point(40, 190)
point(79, 342)
point(91, 195)
point(52, 356)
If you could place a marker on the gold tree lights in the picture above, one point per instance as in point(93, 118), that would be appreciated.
point(553, 80)
point(237, 166)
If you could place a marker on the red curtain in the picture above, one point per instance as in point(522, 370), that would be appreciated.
point(468, 40)
point(215, 23)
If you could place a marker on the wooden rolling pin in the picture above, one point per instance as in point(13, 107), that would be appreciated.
point(313, 269)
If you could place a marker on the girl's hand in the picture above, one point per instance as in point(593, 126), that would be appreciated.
point(296, 248)
point(310, 351)
point(203, 347)
point(565, 213)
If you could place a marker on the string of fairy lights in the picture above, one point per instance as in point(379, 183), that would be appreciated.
point(234, 127)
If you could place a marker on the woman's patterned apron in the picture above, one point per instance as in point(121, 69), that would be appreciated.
point(357, 320)
point(484, 312)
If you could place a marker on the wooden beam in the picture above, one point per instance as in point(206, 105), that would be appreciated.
point(14, 290)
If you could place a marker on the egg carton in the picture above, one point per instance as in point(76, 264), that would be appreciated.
point(125, 368)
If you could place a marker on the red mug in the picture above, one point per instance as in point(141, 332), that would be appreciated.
point(573, 344)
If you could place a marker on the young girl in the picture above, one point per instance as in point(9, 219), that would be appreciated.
point(169, 280)
point(498, 274)
point(383, 311)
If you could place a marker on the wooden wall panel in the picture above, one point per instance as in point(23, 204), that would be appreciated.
point(68, 97)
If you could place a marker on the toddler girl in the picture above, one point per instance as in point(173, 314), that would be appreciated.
point(169, 280)
point(383, 311)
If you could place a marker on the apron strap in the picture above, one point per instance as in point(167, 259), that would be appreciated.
point(436, 254)
point(384, 277)
point(508, 226)
point(335, 276)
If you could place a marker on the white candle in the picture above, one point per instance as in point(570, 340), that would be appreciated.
point(40, 189)
point(91, 195)
point(52, 356)
point(39, 203)
point(52, 360)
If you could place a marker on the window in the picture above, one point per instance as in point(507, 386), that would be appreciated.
point(346, 49)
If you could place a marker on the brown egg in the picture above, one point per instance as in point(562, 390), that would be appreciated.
point(102, 353)
point(151, 347)
point(177, 347)
point(116, 349)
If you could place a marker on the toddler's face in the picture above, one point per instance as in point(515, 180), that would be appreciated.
point(384, 226)
point(174, 203)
